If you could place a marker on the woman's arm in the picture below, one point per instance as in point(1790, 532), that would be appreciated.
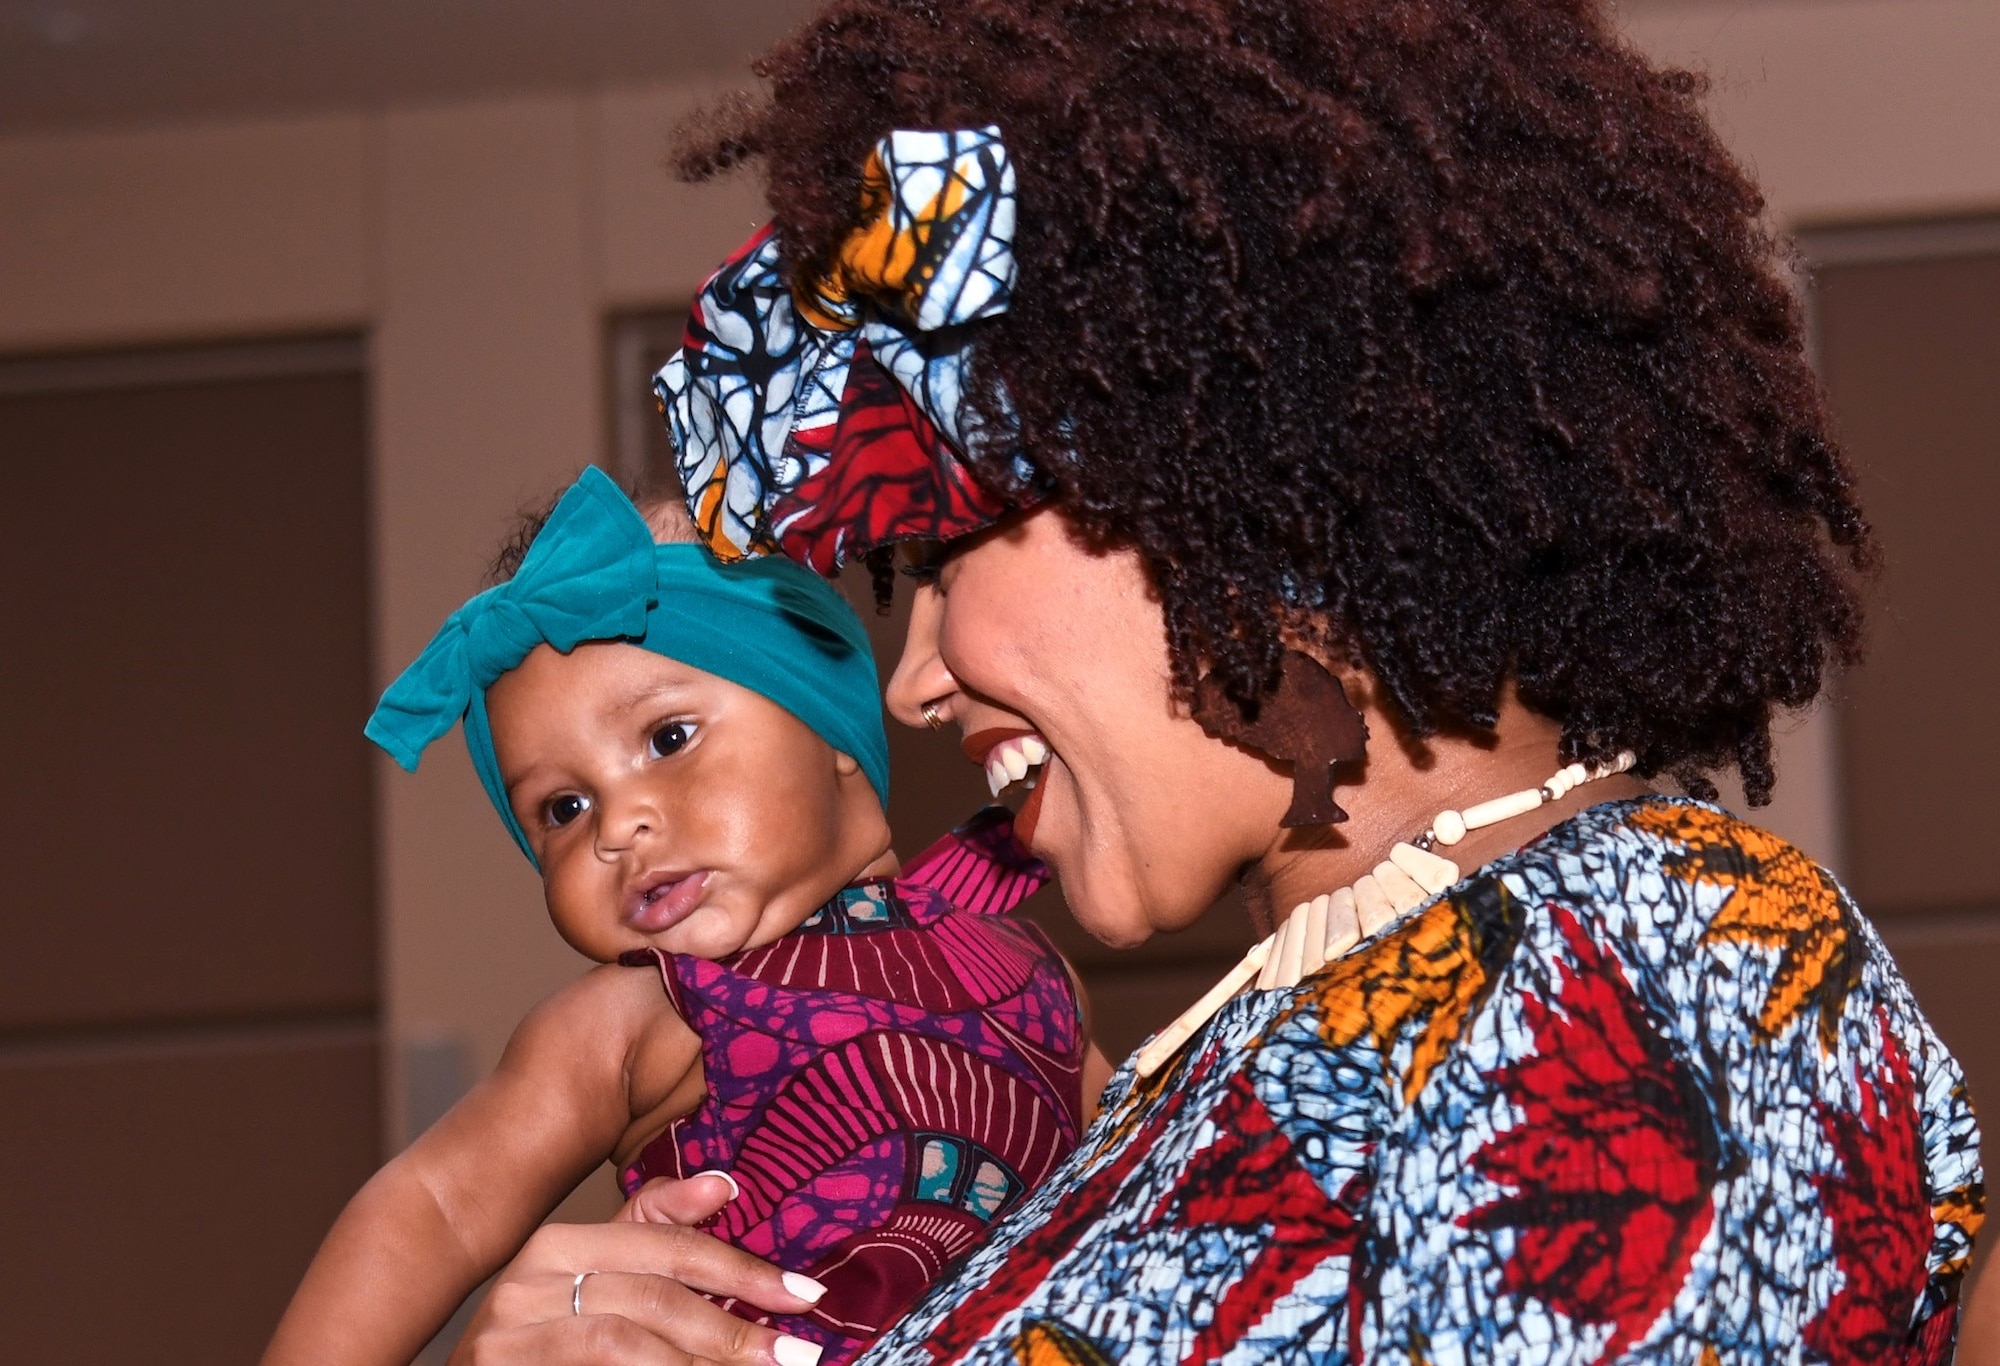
point(442, 1216)
point(642, 1302)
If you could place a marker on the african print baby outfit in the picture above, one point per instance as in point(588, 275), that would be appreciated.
point(1648, 1090)
point(884, 1081)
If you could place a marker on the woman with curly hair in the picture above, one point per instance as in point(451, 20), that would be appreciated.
point(1353, 445)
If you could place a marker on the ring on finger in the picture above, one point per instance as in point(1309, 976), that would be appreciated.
point(576, 1293)
point(932, 716)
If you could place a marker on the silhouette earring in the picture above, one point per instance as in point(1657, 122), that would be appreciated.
point(1307, 723)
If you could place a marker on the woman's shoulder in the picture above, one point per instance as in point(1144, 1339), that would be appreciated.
point(1658, 1032)
point(1712, 923)
point(1636, 939)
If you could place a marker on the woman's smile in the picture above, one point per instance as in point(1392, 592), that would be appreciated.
point(1007, 753)
point(1052, 658)
point(1028, 820)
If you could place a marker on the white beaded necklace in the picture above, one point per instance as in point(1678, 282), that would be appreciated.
point(1331, 926)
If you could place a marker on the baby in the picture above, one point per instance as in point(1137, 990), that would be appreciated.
point(692, 755)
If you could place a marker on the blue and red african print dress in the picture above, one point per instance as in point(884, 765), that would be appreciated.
point(1649, 1089)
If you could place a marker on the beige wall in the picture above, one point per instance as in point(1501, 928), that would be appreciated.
point(482, 244)
point(1847, 109)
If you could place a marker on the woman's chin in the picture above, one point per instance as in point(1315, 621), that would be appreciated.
point(1101, 880)
point(1122, 901)
point(1103, 897)
point(1119, 928)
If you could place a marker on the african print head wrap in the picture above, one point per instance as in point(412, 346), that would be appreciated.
point(829, 417)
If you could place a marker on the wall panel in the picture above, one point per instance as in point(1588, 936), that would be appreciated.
point(167, 1197)
point(189, 673)
point(188, 970)
point(1911, 353)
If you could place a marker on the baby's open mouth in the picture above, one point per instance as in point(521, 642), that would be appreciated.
point(665, 902)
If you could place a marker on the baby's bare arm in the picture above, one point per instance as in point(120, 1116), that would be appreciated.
point(453, 1207)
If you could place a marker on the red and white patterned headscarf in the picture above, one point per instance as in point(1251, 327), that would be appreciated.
point(827, 418)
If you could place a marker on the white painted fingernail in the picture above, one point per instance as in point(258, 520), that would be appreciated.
point(734, 1189)
point(806, 1288)
point(791, 1351)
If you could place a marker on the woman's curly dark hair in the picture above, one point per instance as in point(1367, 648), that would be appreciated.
point(1442, 331)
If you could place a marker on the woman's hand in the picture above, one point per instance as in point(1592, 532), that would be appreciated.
point(642, 1303)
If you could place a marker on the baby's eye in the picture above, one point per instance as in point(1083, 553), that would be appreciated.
point(671, 738)
point(560, 811)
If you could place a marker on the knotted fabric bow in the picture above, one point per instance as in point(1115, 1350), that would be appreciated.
point(594, 573)
point(829, 418)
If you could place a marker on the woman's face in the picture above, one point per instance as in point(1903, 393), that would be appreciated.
point(1144, 817)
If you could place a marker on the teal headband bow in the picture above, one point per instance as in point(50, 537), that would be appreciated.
point(595, 573)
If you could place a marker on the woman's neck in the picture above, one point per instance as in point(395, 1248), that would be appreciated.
point(1403, 785)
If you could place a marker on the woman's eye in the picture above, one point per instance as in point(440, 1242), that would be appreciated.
point(671, 738)
point(923, 562)
point(560, 811)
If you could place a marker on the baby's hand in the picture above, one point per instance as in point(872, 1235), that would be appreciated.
point(690, 1203)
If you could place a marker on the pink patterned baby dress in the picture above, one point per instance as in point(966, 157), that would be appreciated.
point(883, 1082)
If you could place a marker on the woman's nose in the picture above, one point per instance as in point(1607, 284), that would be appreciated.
point(921, 675)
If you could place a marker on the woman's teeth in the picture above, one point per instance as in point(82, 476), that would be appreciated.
point(1013, 760)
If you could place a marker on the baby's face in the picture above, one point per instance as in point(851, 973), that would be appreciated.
point(672, 808)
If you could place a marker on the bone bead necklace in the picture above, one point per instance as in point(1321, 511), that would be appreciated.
point(1331, 926)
